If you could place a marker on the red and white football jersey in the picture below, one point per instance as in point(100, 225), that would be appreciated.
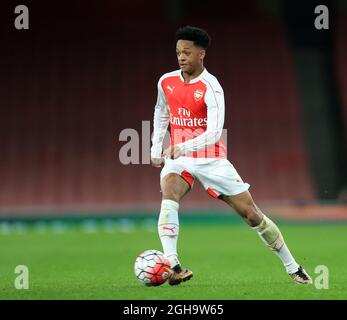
point(195, 111)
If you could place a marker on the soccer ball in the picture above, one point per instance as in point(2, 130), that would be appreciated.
point(151, 268)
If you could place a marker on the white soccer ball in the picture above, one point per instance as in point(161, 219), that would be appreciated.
point(151, 268)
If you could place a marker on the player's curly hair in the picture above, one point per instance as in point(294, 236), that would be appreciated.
point(199, 36)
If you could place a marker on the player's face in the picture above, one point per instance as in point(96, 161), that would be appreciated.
point(190, 57)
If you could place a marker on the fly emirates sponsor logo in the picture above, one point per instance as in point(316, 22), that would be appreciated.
point(184, 119)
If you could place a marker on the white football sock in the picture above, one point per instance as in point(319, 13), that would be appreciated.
point(272, 237)
point(168, 229)
point(288, 260)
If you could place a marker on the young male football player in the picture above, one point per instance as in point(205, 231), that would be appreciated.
point(192, 101)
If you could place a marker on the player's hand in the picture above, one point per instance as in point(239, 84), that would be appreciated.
point(172, 152)
point(156, 162)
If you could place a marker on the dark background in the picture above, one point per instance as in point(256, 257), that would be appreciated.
point(86, 70)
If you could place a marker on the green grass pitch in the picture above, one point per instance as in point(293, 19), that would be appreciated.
point(229, 261)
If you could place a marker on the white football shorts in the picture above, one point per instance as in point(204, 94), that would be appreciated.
point(218, 176)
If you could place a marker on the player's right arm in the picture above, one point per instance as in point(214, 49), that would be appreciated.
point(160, 123)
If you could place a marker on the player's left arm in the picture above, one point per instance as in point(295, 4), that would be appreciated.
point(214, 99)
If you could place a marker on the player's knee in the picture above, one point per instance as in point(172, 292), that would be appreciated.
point(172, 188)
point(171, 192)
point(170, 195)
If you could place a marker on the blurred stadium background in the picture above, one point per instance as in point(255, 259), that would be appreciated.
point(87, 70)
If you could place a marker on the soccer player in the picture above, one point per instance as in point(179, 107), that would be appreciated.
point(192, 101)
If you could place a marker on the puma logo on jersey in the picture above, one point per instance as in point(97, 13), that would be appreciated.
point(170, 88)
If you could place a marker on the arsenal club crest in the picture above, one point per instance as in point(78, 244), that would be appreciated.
point(198, 94)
